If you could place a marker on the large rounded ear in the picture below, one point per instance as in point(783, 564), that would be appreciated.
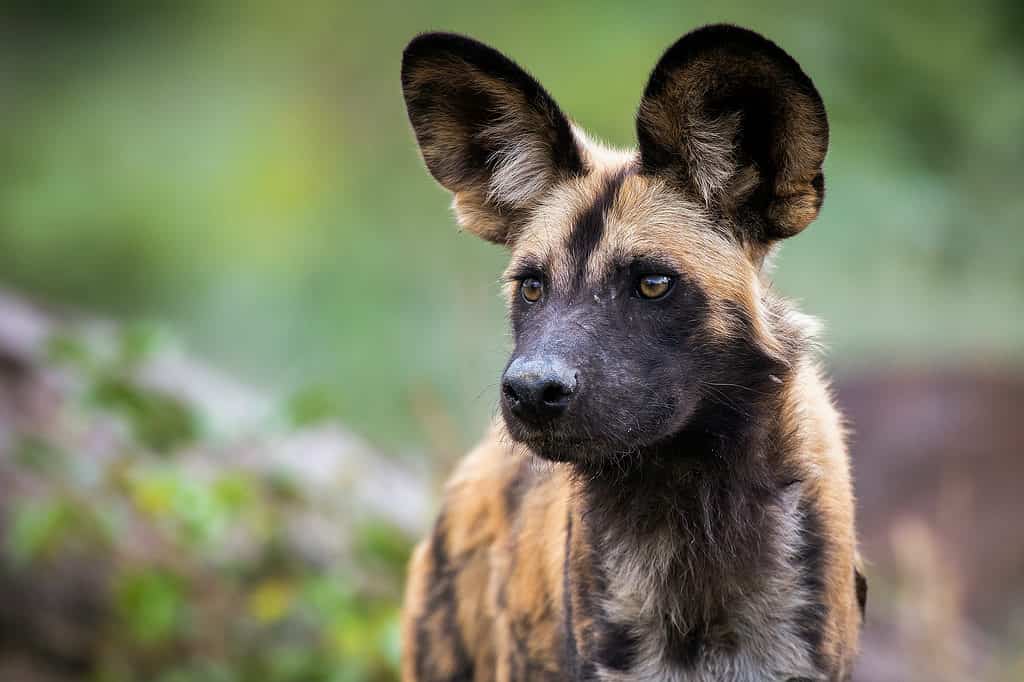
point(487, 130)
point(729, 118)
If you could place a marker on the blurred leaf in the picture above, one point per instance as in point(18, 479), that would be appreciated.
point(65, 348)
point(283, 488)
point(313, 405)
point(357, 637)
point(201, 518)
point(160, 422)
point(384, 543)
point(193, 509)
point(137, 342)
point(153, 495)
point(291, 663)
point(202, 671)
point(234, 492)
point(271, 600)
point(391, 641)
point(328, 597)
point(37, 528)
point(151, 603)
point(35, 454)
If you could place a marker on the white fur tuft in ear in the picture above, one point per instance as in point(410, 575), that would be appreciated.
point(522, 166)
point(711, 139)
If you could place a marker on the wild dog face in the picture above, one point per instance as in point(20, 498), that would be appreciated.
point(634, 282)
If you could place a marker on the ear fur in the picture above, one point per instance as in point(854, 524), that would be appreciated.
point(487, 130)
point(731, 119)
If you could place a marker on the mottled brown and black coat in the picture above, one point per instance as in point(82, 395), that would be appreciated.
point(667, 494)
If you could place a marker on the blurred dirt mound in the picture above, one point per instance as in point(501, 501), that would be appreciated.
point(939, 473)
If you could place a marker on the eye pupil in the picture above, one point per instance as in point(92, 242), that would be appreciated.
point(654, 286)
point(532, 289)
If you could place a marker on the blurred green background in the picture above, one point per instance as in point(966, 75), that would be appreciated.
point(243, 174)
point(246, 173)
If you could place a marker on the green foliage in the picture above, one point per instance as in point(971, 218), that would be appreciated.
point(61, 521)
point(160, 422)
point(196, 513)
point(207, 578)
point(38, 528)
point(150, 603)
point(69, 349)
point(137, 342)
point(383, 544)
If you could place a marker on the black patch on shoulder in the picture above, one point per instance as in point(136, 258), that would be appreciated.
point(862, 592)
point(811, 560)
point(601, 643)
point(588, 229)
point(517, 487)
point(684, 648)
point(571, 663)
point(588, 673)
point(441, 604)
point(616, 646)
point(513, 493)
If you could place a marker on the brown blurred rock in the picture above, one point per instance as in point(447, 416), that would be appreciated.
point(939, 471)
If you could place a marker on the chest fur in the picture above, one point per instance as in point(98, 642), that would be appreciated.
point(670, 605)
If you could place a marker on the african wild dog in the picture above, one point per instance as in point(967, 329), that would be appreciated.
point(667, 496)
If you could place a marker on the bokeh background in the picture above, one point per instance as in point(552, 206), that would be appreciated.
point(241, 340)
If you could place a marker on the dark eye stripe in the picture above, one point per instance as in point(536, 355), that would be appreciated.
point(588, 230)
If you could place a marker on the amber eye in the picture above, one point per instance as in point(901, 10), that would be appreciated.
point(532, 289)
point(654, 286)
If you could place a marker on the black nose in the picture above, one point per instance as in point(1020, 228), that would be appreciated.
point(538, 390)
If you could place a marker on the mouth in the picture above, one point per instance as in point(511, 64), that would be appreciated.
point(559, 450)
point(556, 445)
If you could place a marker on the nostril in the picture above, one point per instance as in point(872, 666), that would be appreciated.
point(509, 391)
point(555, 392)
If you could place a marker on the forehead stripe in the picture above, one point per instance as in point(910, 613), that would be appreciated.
point(588, 229)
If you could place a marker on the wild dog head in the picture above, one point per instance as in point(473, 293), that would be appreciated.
point(635, 281)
